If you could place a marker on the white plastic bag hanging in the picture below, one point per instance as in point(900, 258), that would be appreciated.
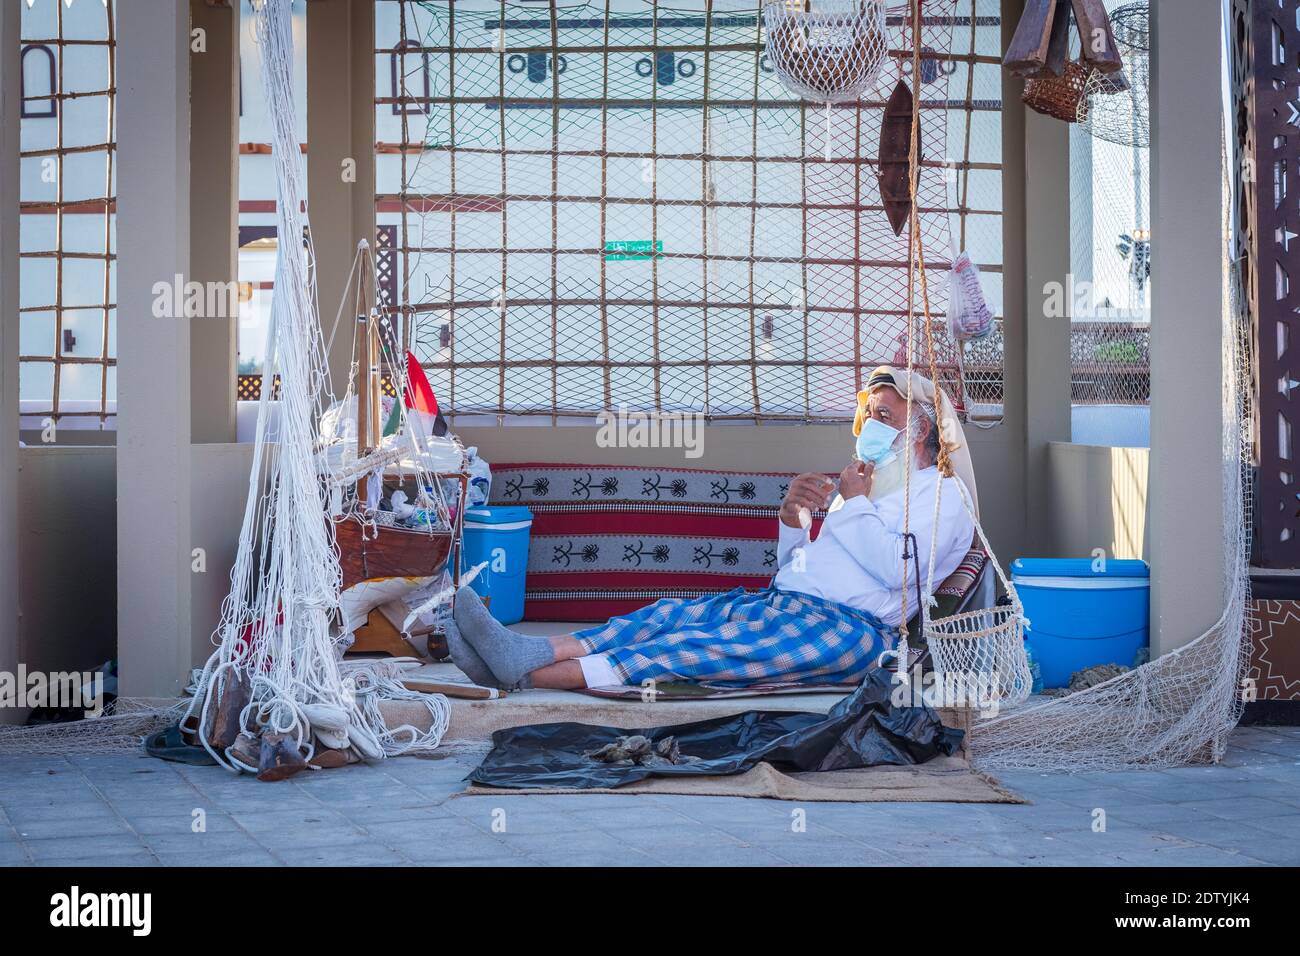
point(969, 316)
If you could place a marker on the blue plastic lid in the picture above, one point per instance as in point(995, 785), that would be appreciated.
point(1079, 568)
point(498, 514)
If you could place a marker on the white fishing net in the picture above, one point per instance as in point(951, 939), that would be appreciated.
point(1179, 708)
point(279, 658)
point(278, 667)
point(119, 729)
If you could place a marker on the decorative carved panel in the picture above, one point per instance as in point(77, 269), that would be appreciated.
point(1267, 41)
point(1275, 650)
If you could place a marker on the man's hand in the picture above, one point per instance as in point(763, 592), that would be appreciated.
point(856, 479)
point(811, 491)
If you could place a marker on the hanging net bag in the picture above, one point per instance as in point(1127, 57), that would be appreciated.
point(826, 51)
point(981, 651)
point(1116, 107)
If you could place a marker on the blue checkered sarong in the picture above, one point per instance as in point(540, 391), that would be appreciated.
point(740, 638)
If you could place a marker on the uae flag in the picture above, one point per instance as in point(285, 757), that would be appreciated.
point(418, 397)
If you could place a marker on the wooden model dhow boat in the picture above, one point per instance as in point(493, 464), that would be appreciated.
point(388, 548)
point(378, 552)
point(896, 156)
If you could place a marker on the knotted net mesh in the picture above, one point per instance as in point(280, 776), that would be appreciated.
point(624, 202)
point(1181, 707)
point(1117, 107)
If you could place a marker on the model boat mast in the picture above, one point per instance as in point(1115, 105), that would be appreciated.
point(369, 372)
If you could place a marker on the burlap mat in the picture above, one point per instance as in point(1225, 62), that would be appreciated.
point(942, 780)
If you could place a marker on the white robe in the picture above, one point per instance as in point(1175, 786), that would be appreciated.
point(857, 558)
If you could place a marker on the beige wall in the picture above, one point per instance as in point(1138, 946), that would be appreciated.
point(68, 541)
point(67, 575)
point(1099, 500)
point(220, 488)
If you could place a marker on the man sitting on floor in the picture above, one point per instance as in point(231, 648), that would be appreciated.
point(834, 605)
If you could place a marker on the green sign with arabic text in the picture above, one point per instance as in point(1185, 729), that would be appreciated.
point(632, 249)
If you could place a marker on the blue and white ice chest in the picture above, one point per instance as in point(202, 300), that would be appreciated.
point(498, 537)
point(1083, 612)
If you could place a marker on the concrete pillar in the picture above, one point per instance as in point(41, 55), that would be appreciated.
point(153, 369)
point(340, 126)
point(1048, 294)
point(1186, 482)
point(1082, 238)
point(10, 109)
point(214, 215)
point(999, 452)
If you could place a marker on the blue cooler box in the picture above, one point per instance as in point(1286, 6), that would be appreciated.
point(499, 537)
point(1079, 617)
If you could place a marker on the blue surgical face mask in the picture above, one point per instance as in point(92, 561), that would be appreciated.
point(876, 442)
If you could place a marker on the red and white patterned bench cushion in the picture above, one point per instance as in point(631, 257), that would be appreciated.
point(608, 539)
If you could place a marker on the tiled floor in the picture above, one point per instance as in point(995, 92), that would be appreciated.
point(137, 811)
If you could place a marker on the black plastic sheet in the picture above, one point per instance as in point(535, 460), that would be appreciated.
point(863, 730)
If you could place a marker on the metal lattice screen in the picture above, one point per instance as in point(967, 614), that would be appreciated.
point(617, 203)
point(67, 347)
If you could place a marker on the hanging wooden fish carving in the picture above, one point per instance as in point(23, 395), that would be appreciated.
point(895, 156)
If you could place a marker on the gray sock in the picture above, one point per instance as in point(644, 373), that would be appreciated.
point(510, 656)
point(466, 658)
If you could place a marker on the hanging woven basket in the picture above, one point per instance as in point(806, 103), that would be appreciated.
point(1061, 97)
point(827, 51)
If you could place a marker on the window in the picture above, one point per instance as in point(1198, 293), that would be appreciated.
point(67, 295)
point(619, 204)
point(37, 81)
point(403, 102)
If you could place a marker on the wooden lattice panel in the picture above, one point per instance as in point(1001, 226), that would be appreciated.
point(1275, 650)
point(248, 388)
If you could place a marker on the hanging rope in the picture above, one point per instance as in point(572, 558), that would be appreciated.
point(983, 644)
